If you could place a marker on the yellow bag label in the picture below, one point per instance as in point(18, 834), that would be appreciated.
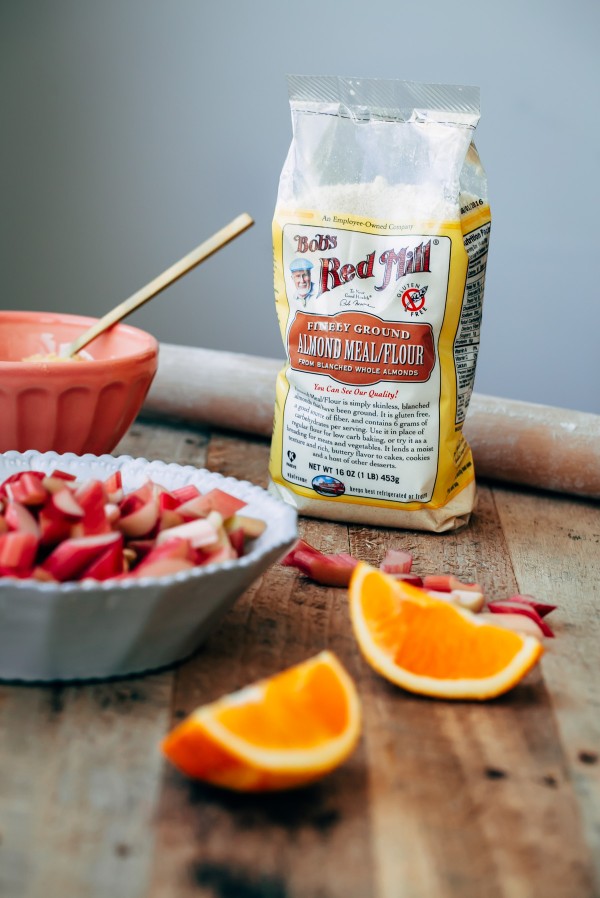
point(378, 323)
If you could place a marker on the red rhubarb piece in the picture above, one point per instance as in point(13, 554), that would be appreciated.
point(142, 522)
point(328, 570)
point(504, 606)
point(396, 561)
point(223, 502)
point(113, 487)
point(300, 546)
point(412, 579)
point(62, 475)
point(17, 552)
point(107, 565)
point(27, 488)
point(447, 583)
point(542, 608)
point(184, 493)
point(65, 504)
point(72, 556)
point(19, 518)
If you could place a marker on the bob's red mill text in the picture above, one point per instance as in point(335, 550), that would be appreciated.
point(380, 239)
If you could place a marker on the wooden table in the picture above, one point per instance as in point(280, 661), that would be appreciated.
point(440, 798)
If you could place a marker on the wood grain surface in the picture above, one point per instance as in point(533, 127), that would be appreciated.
point(457, 800)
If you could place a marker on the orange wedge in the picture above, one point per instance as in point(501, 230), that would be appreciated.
point(278, 733)
point(431, 647)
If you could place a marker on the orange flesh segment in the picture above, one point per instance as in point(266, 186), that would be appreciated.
point(294, 710)
point(470, 652)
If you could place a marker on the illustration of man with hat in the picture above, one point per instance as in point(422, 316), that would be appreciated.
point(301, 276)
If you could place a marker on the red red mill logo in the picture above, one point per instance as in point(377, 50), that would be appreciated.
point(390, 264)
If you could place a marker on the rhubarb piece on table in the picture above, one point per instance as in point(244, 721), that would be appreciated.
point(396, 561)
point(448, 582)
point(328, 570)
point(411, 578)
point(542, 608)
point(516, 622)
point(464, 598)
point(504, 606)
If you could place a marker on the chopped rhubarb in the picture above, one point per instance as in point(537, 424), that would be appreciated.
point(107, 565)
point(184, 493)
point(19, 518)
point(199, 532)
point(113, 487)
point(542, 608)
point(448, 582)
point(464, 598)
point(54, 526)
point(299, 546)
point(223, 502)
point(413, 579)
point(252, 527)
point(17, 552)
point(28, 489)
point(328, 570)
point(167, 501)
point(196, 507)
point(12, 483)
point(62, 475)
point(92, 499)
point(65, 504)
point(163, 567)
point(62, 529)
point(175, 547)
point(516, 622)
point(142, 522)
point(396, 561)
point(503, 606)
point(72, 556)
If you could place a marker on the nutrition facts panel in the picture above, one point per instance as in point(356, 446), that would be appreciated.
point(466, 344)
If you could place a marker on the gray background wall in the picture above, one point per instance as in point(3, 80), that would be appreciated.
point(132, 130)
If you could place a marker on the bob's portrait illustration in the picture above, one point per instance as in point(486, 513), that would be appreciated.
point(302, 278)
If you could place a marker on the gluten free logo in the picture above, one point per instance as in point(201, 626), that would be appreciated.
point(413, 299)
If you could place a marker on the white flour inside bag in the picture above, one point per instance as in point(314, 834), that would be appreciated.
point(380, 239)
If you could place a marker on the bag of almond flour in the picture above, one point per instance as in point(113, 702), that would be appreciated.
point(380, 239)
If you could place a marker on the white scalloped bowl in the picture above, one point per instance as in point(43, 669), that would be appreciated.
point(116, 628)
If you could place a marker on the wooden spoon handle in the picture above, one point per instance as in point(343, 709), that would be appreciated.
point(172, 274)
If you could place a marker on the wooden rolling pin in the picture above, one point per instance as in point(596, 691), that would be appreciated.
point(519, 442)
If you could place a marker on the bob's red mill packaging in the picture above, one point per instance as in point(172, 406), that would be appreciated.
point(380, 239)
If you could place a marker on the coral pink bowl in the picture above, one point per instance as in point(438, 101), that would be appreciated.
point(70, 406)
